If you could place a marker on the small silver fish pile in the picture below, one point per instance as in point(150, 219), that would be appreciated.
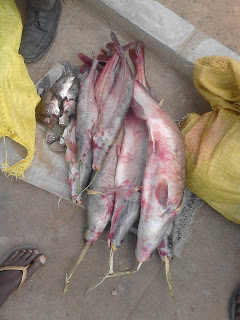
point(122, 149)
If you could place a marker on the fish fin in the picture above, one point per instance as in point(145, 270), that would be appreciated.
point(84, 68)
point(118, 149)
point(128, 45)
point(137, 55)
point(88, 61)
point(134, 197)
point(149, 93)
point(115, 39)
point(103, 57)
point(112, 46)
point(133, 55)
point(150, 148)
point(68, 68)
point(117, 45)
point(138, 110)
point(162, 193)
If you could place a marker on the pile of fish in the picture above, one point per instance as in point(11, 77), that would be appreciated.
point(122, 149)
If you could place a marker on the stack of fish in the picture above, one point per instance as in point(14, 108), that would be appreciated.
point(121, 147)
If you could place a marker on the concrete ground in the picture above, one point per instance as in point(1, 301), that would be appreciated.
point(218, 19)
point(203, 279)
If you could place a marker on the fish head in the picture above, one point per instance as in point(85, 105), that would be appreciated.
point(72, 92)
point(51, 108)
point(62, 86)
point(65, 86)
point(114, 242)
point(165, 249)
point(91, 236)
point(48, 105)
point(150, 234)
point(51, 136)
point(78, 200)
point(44, 119)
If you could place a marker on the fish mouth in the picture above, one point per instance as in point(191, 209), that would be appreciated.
point(78, 202)
point(110, 245)
point(95, 167)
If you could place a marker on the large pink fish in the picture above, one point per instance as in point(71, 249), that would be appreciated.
point(101, 197)
point(164, 177)
point(113, 113)
point(132, 157)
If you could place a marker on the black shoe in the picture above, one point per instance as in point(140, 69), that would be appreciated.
point(235, 305)
point(39, 32)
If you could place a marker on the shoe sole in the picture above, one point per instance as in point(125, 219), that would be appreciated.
point(39, 57)
point(232, 304)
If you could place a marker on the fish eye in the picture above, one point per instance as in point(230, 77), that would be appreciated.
point(54, 138)
point(47, 111)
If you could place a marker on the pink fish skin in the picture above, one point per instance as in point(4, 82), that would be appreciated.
point(113, 114)
point(131, 164)
point(164, 177)
point(87, 114)
point(100, 206)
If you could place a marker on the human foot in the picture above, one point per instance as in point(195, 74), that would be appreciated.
point(235, 305)
point(39, 31)
point(11, 279)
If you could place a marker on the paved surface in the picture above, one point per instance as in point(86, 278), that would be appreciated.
point(203, 279)
point(218, 19)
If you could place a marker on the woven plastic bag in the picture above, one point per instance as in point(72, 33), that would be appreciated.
point(18, 96)
point(213, 140)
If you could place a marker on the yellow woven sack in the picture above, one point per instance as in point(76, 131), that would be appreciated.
point(18, 96)
point(213, 140)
